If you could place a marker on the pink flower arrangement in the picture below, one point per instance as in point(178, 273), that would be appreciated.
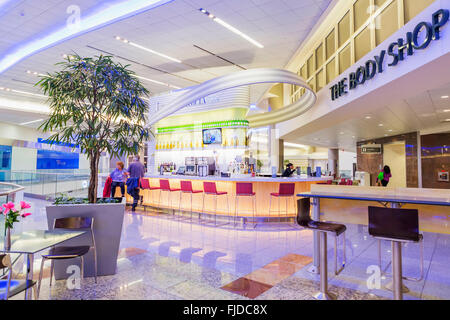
point(12, 214)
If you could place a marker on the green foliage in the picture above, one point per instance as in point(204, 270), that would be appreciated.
point(65, 199)
point(98, 105)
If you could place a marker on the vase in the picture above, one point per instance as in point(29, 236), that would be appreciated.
point(7, 244)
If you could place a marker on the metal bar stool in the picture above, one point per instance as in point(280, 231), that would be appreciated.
point(245, 189)
point(305, 221)
point(164, 185)
point(186, 187)
point(210, 188)
point(64, 252)
point(12, 287)
point(398, 226)
point(286, 190)
point(145, 185)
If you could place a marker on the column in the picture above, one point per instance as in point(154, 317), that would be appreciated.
point(333, 161)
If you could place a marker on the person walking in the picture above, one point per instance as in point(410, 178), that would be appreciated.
point(136, 171)
point(118, 179)
point(384, 176)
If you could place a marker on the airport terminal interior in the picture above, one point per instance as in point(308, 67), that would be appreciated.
point(224, 150)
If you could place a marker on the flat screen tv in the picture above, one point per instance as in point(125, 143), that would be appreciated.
point(212, 136)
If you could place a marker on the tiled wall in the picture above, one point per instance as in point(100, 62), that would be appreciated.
point(435, 158)
point(373, 163)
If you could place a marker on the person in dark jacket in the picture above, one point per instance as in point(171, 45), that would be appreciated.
point(136, 171)
point(289, 171)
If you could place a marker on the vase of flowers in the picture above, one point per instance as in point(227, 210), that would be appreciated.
point(12, 215)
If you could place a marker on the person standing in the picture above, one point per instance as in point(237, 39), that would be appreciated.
point(118, 179)
point(384, 176)
point(136, 171)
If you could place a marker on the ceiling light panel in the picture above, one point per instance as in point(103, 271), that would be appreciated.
point(231, 28)
point(101, 18)
point(133, 44)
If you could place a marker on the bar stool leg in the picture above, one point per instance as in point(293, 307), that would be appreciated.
point(203, 208)
point(287, 213)
point(215, 210)
point(397, 269)
point(323, 294)
point(279, 212)
point(179, 203)
point(254, 212)
point(191, 205)
point(236, 209)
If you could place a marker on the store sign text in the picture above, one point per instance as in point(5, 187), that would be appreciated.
point(396, 51)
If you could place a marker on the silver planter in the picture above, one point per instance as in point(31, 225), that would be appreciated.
point(7, 244)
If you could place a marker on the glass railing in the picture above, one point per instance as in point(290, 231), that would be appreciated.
point(46, 184)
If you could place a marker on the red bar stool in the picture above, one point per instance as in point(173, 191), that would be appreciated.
point(286, 190)
point(145, 185)
point(186, 187)
point(164, 185)
point(245, 189)
point(210, 188)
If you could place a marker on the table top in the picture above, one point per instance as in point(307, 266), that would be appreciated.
point(414, 199)
point(30, 242)
point(239, 178)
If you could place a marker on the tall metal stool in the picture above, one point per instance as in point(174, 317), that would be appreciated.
point(164, 185)
point(210, 188)
point(286, 190)
point(145, 185)
point(398, 226)
point(64, 252)
point(186, 187)
point(245, 189)
point(305, 221)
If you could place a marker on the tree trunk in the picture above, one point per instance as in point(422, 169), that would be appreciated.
point(93, 183)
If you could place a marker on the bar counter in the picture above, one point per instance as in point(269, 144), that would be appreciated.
point(262, 186)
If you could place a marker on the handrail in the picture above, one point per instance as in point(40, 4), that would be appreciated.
point(17, 187)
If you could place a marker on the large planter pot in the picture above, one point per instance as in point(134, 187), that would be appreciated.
point(108, 220)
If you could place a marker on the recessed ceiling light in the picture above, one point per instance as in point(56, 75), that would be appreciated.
point(390, 130)
point(158, 82)
point(30, 122)
point(231, 28)
point(34, 73)
point(444, 97)
point(381, 125)
point(368, 117)
point(148, 49)
point(22, 92)
point(447, 120)
point(446, 110)
point(100, 18)
point(342, 132)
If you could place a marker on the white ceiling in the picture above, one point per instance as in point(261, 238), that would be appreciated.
point(426, 111)
point(172, 29)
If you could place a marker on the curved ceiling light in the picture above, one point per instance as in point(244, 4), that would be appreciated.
point(111, 14)
point(245, 78)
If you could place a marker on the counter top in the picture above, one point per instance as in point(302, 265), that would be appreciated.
point(245, 178)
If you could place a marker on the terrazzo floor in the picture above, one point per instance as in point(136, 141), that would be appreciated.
point(162, 258)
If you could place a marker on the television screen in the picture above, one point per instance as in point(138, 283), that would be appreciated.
point(212, 136)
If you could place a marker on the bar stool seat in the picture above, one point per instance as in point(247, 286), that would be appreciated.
point(334, 228)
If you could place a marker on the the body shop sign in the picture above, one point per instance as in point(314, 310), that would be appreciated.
point(419, 39)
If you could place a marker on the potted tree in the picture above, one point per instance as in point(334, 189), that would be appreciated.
point(96, 104)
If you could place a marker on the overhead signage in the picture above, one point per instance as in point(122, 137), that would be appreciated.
point(371, 149)
point(396, 50)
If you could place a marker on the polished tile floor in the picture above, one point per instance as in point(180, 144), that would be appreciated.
point(162, 258)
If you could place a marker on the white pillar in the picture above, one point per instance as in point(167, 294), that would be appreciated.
point(333, 161)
